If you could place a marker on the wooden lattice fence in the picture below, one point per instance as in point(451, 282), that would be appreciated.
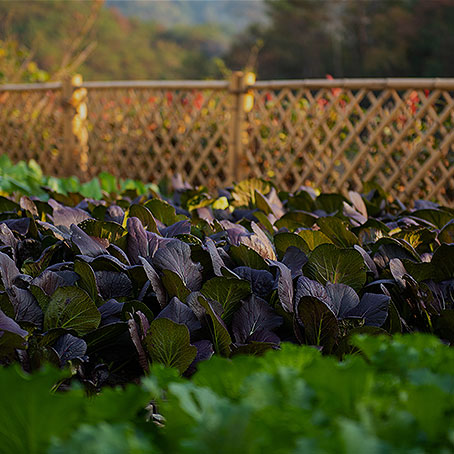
point(31, 124)
point(330, 134)
point(339, 134)
point(151, 132)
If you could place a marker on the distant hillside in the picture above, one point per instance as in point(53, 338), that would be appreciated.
point(233, 15)
point(103, 44)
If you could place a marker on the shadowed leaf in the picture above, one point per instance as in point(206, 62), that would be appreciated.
point(227, 291)
point(320, 324)
point(71, 308)
point(219, 334)
point(167, 342)
point(327, 263)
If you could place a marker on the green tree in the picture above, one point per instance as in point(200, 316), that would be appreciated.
point(17, 65)
point(352, 38)
point(102, 43)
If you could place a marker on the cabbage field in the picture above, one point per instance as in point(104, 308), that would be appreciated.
point(143, 319)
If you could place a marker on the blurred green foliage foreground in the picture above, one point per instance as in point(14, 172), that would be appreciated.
point(392, 396)
point(28, 179)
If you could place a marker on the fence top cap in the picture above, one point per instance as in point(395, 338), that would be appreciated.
point(249, 80)
point(364, 83)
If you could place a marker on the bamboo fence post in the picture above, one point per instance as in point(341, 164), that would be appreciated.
point(237, 87)
point(79, 125)
point(75, 134)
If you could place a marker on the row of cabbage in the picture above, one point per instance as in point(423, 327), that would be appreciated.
point(113, 285)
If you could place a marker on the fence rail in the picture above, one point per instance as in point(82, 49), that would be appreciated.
point(332, 134)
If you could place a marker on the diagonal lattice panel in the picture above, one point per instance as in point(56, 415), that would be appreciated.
point(339, 138)
point(31, 127)
point(152, 134)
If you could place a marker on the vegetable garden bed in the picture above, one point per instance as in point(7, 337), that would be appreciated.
point(106, 288)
